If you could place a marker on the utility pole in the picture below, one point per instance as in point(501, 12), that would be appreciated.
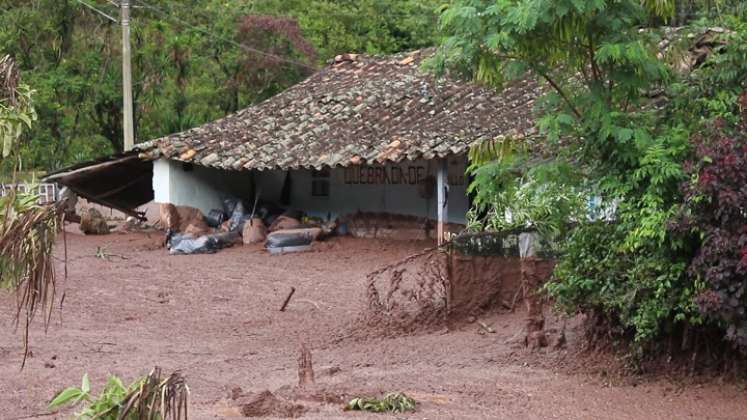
point(129, 135)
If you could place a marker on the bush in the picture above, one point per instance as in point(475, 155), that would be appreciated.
point(716, 209)
point(640, 290)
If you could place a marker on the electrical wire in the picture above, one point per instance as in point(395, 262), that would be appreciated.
point(98, 11)
point(244, 47)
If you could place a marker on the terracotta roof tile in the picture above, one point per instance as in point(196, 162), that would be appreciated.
point(360, 109)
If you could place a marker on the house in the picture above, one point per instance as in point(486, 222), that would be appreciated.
point(364, 134)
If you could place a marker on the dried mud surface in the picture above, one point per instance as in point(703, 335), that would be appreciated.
point(215, 318)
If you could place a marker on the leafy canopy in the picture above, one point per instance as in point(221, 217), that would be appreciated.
point(619, 108)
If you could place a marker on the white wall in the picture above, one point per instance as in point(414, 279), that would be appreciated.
point(386, 189)
point(392, 188)
point(198, 186)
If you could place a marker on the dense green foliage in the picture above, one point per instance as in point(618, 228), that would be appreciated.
point(623, 101)
point(188, 66)
point(513, 192)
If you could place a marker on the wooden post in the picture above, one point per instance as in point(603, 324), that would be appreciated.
point(442, 187)
point(305, 367)
point(128, 123)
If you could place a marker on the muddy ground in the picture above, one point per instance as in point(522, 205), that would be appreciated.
point(216, 318)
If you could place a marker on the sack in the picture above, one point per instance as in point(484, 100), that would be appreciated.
point(292, 237)
point(197, 230)
point(284, 222)
point(254, 231)
point(215, 218)
point(206, 244)
point(179, 218)
point(238, 217)
point(312, 232)
point(229, 205)
point(169, 217)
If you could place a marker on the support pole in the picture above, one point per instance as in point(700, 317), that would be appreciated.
point(442, 187)
point(129, 135)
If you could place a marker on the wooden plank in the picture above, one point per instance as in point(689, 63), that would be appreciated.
point(442, 187)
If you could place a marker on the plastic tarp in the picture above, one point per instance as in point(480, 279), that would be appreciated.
point(206, 244)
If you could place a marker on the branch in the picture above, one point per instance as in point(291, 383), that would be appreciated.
point(592, 57)
point(561, 92)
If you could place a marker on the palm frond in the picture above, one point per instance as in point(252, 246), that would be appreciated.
point(28, 233)
point(157, 398)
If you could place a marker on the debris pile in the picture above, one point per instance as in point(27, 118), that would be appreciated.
point(443, 286)
point(410, 294)
point(188, 231)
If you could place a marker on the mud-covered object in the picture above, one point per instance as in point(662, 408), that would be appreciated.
point(92, 222)
point(179, 219)
point(206, 244)
point(254, 231)
point(68, 200)
point(196, 230)
point(229, 205)
point(215, 218)
point(238, 218)
point(409, 295)
point(284, 222)
point(296, 237)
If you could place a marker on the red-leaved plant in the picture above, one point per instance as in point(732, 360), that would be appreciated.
point(716, 206)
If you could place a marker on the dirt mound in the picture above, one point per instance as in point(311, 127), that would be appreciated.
point(92, 222)
point(437, 286)
point(266, 404)
point(410, 294)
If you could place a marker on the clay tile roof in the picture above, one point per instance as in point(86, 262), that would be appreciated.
point(359, 109)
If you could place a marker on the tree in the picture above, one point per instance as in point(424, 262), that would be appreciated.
point(618, 110)
point(189, 66)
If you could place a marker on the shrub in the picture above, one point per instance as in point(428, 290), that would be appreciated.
point(716, 209)
point(638, 290)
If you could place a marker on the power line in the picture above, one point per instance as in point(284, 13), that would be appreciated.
point(223, 39)
point(97, 11)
